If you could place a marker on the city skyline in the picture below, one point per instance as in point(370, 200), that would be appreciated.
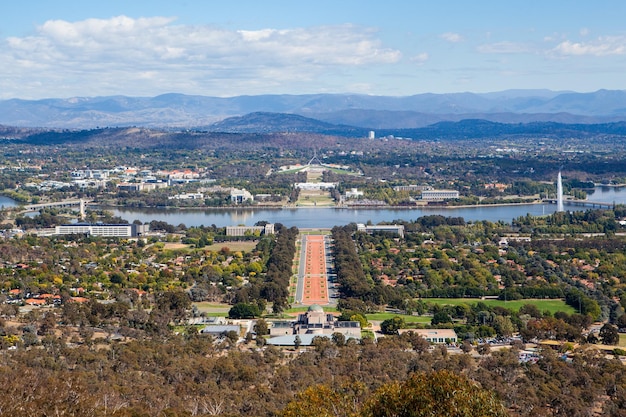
point(69, 48)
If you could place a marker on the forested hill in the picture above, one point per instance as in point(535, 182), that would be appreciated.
point(263, 122)
point(261, 129)
point(475, 129)
point(142, 138)
point(464, 129)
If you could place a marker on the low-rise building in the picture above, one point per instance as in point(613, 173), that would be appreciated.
point(268, 229)
point(354, 193)
point(314, 186)
point(97, 174)
point(438, 195)
point(315, 322)
point(187, 196)
point(240, 196)
point(435, 336)
point(141, 186)
point(101, 229)
point(412, 188)
point(218, 330)
point(396, 229)
point(496, 186)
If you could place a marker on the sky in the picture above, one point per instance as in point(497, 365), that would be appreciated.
point(68, 48)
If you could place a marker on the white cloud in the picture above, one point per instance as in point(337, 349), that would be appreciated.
point(602, 46)
point(584, 32)
point(504, 48)
point(123, 55)
point(421, 58)
point(451, 37)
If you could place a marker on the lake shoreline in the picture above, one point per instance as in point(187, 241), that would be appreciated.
point(288, 207)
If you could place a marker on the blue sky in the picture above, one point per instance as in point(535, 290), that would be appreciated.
point(66, 48)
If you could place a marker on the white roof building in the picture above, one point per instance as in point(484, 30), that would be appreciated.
point(438, 195)
point(101, 229)
point(434, 335)
point(315, 185)
point(240, 196)
point(354, 193)
point(315, 322)
point(397, 229)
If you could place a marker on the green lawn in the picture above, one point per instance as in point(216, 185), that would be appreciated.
point(305, 308)
point(291, 171)
point(622, 340)
point(551, 305)
point(217, 314)
point(316, 201)
point(316, 232)
point(343, 171)
point(213, 309)
point(407, 319)
point(244, 246)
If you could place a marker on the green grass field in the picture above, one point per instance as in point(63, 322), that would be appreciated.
point(551, 305)
point(233, 246)
point(316, 232)
point(305, 308)
point(290, 171)
point(315, 201)
point(622, 340)
point(343, 171)
point(212, 309)
point(407, 319)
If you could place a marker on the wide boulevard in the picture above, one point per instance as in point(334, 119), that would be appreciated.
point(315, 263)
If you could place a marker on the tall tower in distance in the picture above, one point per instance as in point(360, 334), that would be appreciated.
point(559, 193)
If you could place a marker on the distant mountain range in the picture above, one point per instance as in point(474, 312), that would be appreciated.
point(330, 112)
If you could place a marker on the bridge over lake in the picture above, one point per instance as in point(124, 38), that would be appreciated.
point(583, 203)
point(56, 204)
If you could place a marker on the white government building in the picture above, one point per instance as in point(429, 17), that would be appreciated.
point(437, 195)
point(396, 229)
point(101, 229)
point(268, 229)
point(315, 322)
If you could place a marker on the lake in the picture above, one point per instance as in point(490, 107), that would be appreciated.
point(6, 202)
point(326, 217)
point(329, 217)
point(606, 194)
